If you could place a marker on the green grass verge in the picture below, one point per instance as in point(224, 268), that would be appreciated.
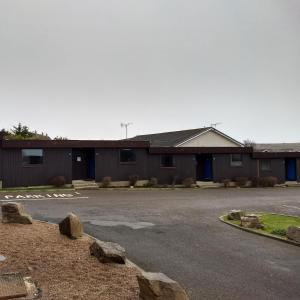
point(273, 224)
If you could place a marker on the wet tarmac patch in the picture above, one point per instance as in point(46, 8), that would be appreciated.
point(132, 225)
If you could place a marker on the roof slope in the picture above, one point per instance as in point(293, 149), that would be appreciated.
point(278, 147)
point(171, 138)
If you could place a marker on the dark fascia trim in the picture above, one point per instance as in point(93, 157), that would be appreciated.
point(74, 144)
point(276, 155)
point(200, 150)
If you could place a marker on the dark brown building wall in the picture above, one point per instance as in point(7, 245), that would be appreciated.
point(277, 170)
point(107, 163)
point(222, 168)
point(184, 166)
point(146, 166)
point(56, 162)
point(0, 164)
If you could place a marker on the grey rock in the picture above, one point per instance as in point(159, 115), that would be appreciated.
point(157, 286)
point(251, 221)
point(293, 233)
point(235, 214)
point(13, 212)
point(71, 226)
point(108, 252)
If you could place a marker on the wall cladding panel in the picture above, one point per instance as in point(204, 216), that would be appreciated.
point(56, 162)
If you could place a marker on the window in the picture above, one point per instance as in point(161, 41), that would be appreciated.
point(32, 156)
point(127, 156)
point(167, 161)
point(265, 165)
point(236, 160)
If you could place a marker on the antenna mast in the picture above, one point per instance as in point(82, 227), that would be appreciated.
point(126, 128)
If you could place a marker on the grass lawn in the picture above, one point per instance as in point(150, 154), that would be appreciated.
point(274, 224)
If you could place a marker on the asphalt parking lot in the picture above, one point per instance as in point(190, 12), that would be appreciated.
point(177, 232)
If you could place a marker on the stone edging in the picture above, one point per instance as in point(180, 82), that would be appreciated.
point(274, 237)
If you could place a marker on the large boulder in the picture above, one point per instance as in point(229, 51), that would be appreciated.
point(293, 233)
point(157, 286)
point(251, 221)
point(108, 252)
point(235, 214)
point(71, 226)
point(13, 212)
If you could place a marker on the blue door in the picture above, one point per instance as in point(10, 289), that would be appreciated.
point(291, 169)
point(208, 169)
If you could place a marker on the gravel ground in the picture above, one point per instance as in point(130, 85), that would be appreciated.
point(60, 267)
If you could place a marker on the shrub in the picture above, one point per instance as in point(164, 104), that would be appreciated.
point(279, 231)
point(188, 182)
point(152, 182)
point(241, 181)
point(58, 181)
point(268, 181)
point(106, 181)
point(226, 182)
point(133, 179)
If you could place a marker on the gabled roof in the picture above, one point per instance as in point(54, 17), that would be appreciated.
point(278, 147)
point(176, 138)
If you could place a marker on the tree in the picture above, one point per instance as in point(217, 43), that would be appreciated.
point(249, 143)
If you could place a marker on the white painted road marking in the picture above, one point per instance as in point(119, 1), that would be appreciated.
point(291, 206)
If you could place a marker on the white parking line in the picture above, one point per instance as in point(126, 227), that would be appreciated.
point(37, 199)
point(290, 206)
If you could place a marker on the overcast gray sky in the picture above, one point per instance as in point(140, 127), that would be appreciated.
point(79, 68)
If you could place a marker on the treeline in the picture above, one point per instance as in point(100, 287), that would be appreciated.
point(22, 132)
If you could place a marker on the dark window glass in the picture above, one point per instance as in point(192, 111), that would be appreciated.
point(127, 155)
point(265, 165)
point(167, 160)
point(32, 156)
point(236, 160)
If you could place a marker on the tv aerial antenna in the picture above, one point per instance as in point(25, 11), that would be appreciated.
point(126, 125)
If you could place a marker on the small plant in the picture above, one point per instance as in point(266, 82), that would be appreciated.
point(279, 231)
point(188, 182)
point(268, 181)
point(58, 181)
point(255, 182)
point(241, 181)
point(106, 181)
point(152, 182)
point(133, 179)
point(226, 182)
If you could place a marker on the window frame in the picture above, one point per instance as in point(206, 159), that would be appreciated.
point(261, 165)
point(32, 165)
point(131, 162)
point(173, 161)
point(236, 164)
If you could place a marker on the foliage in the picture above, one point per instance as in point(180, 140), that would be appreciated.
point(58, 181)
point(269, 181)
point(279, 231)
point(241, 181)
point(226, 182)
point(22, 132)
point(133, 179)
point(188, 182)
point(106, 181)
point(249, 143)
point(152, 182)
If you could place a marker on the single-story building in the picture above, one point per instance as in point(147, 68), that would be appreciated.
point(205, 154)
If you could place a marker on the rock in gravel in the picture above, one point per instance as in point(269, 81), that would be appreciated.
point(251, 221)
point(293, 233)
point(108, 252)
point(235, 214)
point(71, 226)
point(13, 212)
point(157, 286)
